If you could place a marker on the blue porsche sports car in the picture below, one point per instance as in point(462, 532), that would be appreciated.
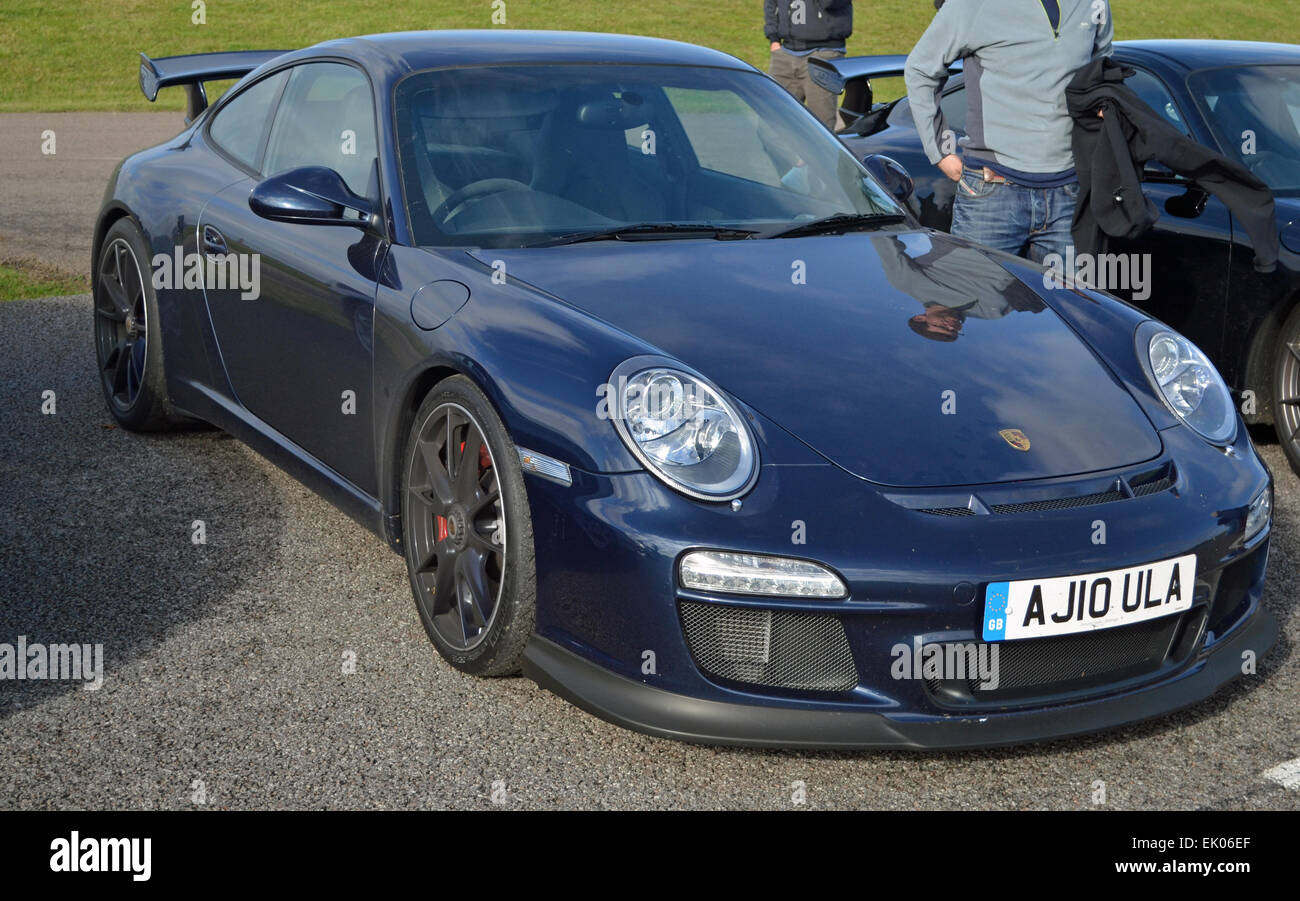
point(667, 401)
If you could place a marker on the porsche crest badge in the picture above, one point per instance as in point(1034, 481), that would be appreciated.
point(1016, 438)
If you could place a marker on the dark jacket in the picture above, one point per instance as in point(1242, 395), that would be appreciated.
point(826, 23)
point(1109, 153)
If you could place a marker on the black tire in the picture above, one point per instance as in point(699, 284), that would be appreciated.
point(128, 332)
point(1286, 389)
point(459, 571)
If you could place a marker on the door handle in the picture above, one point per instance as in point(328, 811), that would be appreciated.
point(1189, 204)
point(213, 241)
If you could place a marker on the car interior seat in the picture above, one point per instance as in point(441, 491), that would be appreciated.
point(584, 156)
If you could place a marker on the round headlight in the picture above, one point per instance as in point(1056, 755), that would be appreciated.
point(683, 430)
point(1190, 385)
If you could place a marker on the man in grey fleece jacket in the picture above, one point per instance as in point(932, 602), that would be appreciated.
point(1016, 184)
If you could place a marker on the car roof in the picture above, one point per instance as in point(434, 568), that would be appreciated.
point(1208, 54)
point(415, 50)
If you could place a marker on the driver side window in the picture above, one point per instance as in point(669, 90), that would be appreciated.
point(327, 118)
point(1153, 93)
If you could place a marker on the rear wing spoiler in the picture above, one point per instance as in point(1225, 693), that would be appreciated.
point(195, 69)
point(851, 76)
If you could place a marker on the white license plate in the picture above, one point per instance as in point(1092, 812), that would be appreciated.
point(1037, 608)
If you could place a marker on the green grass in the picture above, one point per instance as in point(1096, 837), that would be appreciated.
point(26, 278)
point(81, 54)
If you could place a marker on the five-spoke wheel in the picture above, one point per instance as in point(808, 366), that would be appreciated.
point(463, 515)
point(128, 337)
point(1286, 389)
point(458, 533)
point(121, 323)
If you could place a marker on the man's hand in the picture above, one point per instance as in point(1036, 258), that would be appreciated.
point(776, 45)
point(950, 165)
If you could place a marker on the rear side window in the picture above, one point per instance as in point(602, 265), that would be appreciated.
point(327, 119)
point(953, 107)
point(241, 124)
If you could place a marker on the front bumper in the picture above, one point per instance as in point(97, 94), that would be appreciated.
point(644, 708)
point(615, 628)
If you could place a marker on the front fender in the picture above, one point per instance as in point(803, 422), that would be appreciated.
point(539, 360)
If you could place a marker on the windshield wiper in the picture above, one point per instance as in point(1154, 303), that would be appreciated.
point(840, 222)
point(650, 231)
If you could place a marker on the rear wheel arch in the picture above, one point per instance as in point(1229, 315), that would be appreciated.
point(107, 219)
point(128, 332)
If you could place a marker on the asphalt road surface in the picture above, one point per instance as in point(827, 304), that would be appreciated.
point(49, 201)
point(225, 683)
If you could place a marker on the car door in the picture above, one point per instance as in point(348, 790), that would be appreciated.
point(1178, 271)
point(298, 347)
point(1186, 256)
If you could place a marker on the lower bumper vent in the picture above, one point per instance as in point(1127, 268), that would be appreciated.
point(774, 648)
point(1041, 667)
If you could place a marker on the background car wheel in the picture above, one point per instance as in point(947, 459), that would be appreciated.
point(467, 532)
point(1286, 389)
point(128, 334)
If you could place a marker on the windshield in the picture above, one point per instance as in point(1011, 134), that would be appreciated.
point(1254, 113)
point(511, 156)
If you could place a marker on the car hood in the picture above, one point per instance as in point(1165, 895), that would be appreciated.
point(818, 334)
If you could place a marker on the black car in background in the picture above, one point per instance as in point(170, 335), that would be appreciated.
point(1241, 98)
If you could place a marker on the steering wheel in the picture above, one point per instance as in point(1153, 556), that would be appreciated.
point(1256, 161)
point(1274, 168)
point(480, 188)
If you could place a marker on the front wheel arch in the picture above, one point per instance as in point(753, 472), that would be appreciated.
point(1283, 368)
point(461, 532)
point(1261, 360)
point(394, 446)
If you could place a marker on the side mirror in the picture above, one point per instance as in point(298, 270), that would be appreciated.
point(312, 195)
point(892, 177)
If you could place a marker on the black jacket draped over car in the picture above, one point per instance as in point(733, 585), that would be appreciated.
point(827, 23)
point(1109, 153)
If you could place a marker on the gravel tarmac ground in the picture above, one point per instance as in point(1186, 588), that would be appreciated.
point(224, 661)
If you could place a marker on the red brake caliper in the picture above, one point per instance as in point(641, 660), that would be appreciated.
point(484, 463)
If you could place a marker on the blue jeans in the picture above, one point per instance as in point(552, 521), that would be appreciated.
point(1028, 222)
